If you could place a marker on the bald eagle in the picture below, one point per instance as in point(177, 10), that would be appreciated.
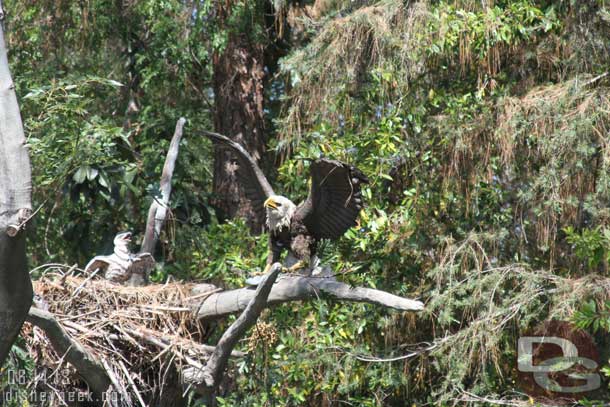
point(122, 266)
point(332, 207)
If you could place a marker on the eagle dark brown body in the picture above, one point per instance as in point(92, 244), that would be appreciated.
point(294, 238)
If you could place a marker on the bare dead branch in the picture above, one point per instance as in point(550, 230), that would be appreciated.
point(212, 373)
point(158, 208)
point(295, 288)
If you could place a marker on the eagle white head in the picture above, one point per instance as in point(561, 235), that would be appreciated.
point(279, 212)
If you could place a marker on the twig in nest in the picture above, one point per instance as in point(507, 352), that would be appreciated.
point(132, 383)
point(115, 382)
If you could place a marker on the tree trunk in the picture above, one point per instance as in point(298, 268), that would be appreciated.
point(15, 207)
point(238, 90)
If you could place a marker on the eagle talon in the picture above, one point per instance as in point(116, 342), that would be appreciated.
point(297, 266)
point(258, 272)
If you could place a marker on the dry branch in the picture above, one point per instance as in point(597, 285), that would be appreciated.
point(158, 209)
point(163, 341)
point(296, 288)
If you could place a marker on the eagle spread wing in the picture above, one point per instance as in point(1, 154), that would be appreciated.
point(256, 186)
point(98, 262)
point(111, 267)
point(143, 262)
point(335, 199)
point(140, 269)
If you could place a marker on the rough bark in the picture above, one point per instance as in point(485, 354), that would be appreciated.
point(158, 208)
point(295, 288)
point(239, 114)
point(15, 207)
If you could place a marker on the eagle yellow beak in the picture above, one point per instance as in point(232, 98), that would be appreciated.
point(270, 203)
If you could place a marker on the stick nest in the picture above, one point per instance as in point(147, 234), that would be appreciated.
point(141, 335)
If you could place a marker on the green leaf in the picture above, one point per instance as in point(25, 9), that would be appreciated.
point(92, 173)
point(103, 180)
point(80, 175)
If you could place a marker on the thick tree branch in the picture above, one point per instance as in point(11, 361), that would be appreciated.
point(158, 209)
point(92, 371)
point(15, 206)
point(295, 288)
